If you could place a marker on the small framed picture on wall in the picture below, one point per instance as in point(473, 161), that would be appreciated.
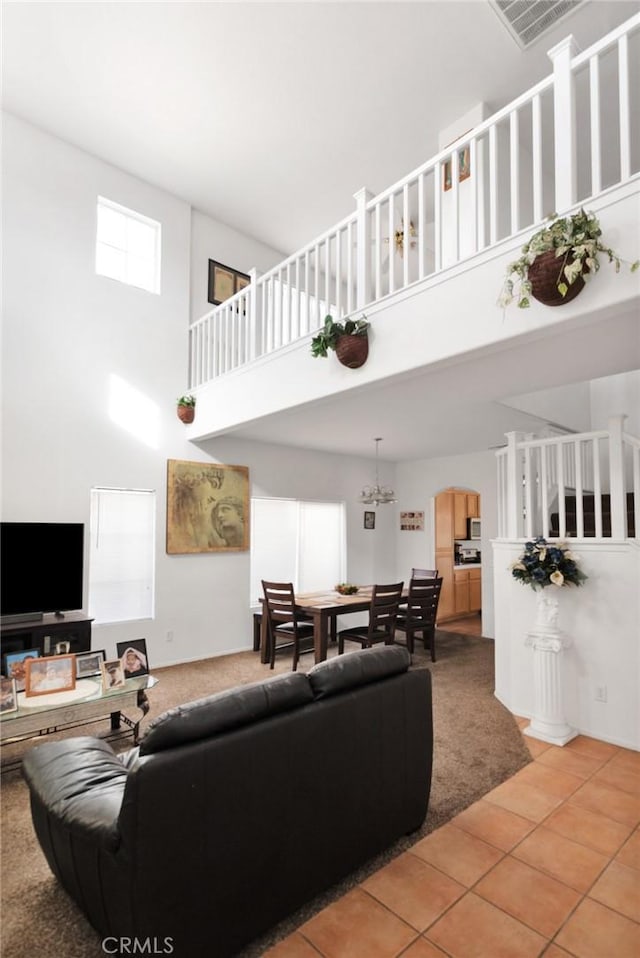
point(369, 520)
point(224, 282)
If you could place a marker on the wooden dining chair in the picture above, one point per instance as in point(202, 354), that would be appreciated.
point(381, 626)
point(420, 613)
point(283, 620)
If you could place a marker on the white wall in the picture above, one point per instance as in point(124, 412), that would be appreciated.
point(602, 621)
point(66, 332)
point(417, 484)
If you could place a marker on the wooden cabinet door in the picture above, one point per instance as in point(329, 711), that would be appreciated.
point(446, 603)
point(475, 590)
point(473, 506)
point(460, 516)
point(444, 521)
point(461, 590)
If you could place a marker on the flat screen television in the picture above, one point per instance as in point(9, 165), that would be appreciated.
point(41, 568)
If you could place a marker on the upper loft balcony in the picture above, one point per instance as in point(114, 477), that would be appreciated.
point(426, 258)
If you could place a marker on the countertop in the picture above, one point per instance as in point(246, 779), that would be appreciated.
point(468, 565)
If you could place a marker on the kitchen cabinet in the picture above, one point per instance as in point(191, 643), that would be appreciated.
point(460, 594)
point(460, 515)
point(467, 590)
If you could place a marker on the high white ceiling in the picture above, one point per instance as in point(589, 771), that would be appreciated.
point(270, 116)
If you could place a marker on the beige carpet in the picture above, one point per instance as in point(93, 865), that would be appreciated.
point(477, 746)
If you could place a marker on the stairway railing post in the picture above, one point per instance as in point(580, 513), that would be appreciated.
point(363, 248)
point(564, 117)
point(514, 478)
point(616, 477)
point(255, 339)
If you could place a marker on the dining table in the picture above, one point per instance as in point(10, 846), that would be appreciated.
point(323, 608)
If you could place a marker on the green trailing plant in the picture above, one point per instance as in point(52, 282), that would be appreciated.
point(328, 336)
point(186, 401)
point(577, 243)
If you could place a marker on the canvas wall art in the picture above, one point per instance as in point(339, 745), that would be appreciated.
point(207, 507)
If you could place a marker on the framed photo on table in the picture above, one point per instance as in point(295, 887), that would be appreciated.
point(15, 665)
point(133, 657)
point(224, 282)
point(88, 664)
point(8, 695)
point(52, 673)
point(112, 675)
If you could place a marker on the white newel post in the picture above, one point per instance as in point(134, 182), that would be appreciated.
point(548, 643)
point(616, 477)
point(255, 340)
point(564, 120)
point(363, 248)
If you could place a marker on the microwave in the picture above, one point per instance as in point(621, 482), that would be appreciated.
point(474, 529)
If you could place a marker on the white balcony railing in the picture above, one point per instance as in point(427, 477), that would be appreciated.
point(585, 485)
point(502, 177)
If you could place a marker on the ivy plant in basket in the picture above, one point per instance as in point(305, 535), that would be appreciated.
point(557, 260)
point(350, 341)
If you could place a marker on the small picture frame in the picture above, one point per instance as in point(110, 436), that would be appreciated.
point(52, 673)
point(369, 520)
point(112, 675)
point(412, 521)
point(8, 695)
point(133, 657)
point(88, 664)
point(224, 282)
point(464, 168)
point(15, 665)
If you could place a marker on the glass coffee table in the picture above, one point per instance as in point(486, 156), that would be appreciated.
point(44, 714)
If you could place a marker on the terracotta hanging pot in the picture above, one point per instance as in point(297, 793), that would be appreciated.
point(545, 273)
point(352, 351)
point(186, 414)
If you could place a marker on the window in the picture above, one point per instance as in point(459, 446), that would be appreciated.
point(122, 554)
point(128, 246)
point(299, 542)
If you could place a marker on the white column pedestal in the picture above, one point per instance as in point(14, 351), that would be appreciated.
point(548, 723)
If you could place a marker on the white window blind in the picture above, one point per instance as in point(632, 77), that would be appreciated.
point(297, 541)
point(128, 246)
point(122, 556)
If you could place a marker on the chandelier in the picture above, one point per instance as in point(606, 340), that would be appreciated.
point(377, 495)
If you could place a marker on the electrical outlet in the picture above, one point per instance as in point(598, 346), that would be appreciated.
point(170, 635)
point(601, 693)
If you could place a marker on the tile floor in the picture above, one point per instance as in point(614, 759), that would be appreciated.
point(548, 863)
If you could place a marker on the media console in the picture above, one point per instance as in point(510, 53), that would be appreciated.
point(44, 634)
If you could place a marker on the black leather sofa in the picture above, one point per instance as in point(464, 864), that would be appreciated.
point(237, 809)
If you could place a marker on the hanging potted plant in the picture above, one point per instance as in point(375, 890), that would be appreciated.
point(186, 408)
point(557, 260)
point(349, 340)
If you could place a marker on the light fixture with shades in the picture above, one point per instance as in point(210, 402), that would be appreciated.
point(377, 495)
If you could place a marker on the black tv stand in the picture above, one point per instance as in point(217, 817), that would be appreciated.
point(45, 632)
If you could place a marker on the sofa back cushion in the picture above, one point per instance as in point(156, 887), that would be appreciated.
point(226, 710)
point(351, 671)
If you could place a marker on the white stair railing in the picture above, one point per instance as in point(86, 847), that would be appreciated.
point(492, 183)
point(560, 486)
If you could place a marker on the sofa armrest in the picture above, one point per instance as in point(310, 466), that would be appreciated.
point(80, 782)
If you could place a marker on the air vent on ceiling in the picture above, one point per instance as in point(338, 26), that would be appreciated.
point(527, 20)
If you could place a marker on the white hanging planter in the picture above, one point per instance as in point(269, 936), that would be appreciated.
point(549, 644)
